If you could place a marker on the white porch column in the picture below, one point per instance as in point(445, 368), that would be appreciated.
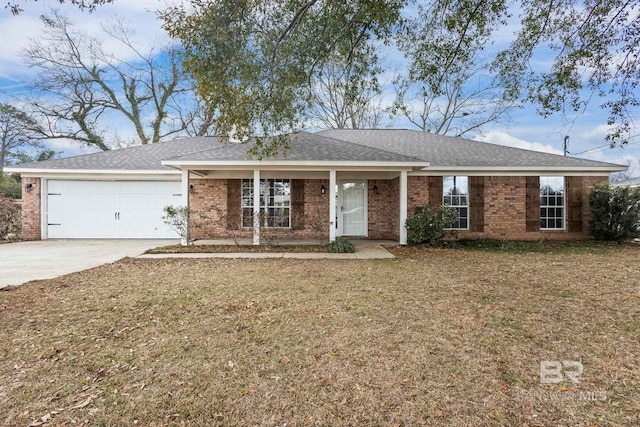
point(256, 207)
point(403, 207)
point(184, 240)
point(332, 205)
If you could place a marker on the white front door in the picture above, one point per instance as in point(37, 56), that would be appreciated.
point(352, 208)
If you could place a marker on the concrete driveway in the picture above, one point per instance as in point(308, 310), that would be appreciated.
point(25, 261)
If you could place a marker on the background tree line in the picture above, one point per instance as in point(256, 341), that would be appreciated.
point(267, 68)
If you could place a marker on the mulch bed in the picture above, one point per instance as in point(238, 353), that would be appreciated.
point(178, 249)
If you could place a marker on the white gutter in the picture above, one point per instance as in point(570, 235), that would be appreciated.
point(40, 171)
point(519, 170)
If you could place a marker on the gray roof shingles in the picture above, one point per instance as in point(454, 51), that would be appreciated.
point(446, 151)
point(142, 157)
point(361, 145)
point(307, 147)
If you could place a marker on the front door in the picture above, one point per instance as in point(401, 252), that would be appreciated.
point(352, 208)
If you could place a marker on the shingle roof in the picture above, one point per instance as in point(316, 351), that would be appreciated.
point(306, 147)
point(361, 145)
point(142, 157)
point(448, 151)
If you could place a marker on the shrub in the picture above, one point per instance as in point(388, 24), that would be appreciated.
point(340, 246)
point(10, 185)
point(615, 212)
point(428, 225)
point(10, 219)
point(181, 219)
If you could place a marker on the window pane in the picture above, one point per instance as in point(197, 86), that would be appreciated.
point(273, 194)
point(552, 209)
point(455, 190)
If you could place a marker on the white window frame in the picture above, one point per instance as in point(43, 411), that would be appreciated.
point(559, 203)
point(457, 201)
point(268, 204)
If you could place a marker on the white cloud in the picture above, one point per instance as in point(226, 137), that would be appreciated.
point(16, 31)
point(503, 138)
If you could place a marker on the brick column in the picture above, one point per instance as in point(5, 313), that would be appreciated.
point(31, 209)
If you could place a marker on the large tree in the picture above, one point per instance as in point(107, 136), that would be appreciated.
point(83, 91)
point(254, 60)
point(89, 5)
point(594, 49)
point(447, 87)
point(17, 133)
point(341, 97)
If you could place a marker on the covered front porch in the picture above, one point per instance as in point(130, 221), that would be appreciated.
point(350, 202)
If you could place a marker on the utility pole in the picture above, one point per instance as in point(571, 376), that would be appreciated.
point(566, 144)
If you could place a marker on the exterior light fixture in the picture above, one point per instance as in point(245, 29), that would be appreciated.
point(323, 189)
point(375, 190)
point(28, 187)
point(190, 188)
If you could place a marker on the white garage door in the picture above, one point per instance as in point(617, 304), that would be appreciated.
point(110, 209)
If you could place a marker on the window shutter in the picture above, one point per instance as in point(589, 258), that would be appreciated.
point(574, 203)
point(435, 190)
point(297, 204)
point(476, 202)
point(533, 204)
point(234, 204)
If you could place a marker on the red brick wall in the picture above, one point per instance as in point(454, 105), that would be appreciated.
point(31, 209)
point(220, 199)
point(316, 209)
point(504, 209)
point(209, 196)
point(417, 192)
point(384, 208)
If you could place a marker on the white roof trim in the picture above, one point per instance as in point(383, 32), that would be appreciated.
point(258, 163)
point(293, 165)
point(446, 170)
point(40, 171)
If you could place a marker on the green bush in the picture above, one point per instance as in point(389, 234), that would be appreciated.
point(10, 185)
point(429, 225)
point(340, 246)
point(615, 213)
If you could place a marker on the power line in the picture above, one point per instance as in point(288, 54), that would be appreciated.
point(606, 145)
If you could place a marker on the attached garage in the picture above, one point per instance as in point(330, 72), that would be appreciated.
point(109, 209)
point(112, 194)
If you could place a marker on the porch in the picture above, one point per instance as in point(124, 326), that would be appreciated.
point(292, 204)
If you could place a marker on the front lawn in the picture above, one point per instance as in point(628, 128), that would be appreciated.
point(435, 337)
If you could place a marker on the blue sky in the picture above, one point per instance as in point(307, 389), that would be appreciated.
point(525, 129)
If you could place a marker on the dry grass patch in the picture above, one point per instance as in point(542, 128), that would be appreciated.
point(434, 337)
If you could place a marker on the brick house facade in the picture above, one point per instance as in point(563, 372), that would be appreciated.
point(500, 208)
point(362, 183)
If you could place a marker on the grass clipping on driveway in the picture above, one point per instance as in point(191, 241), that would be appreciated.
point(434, 337)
